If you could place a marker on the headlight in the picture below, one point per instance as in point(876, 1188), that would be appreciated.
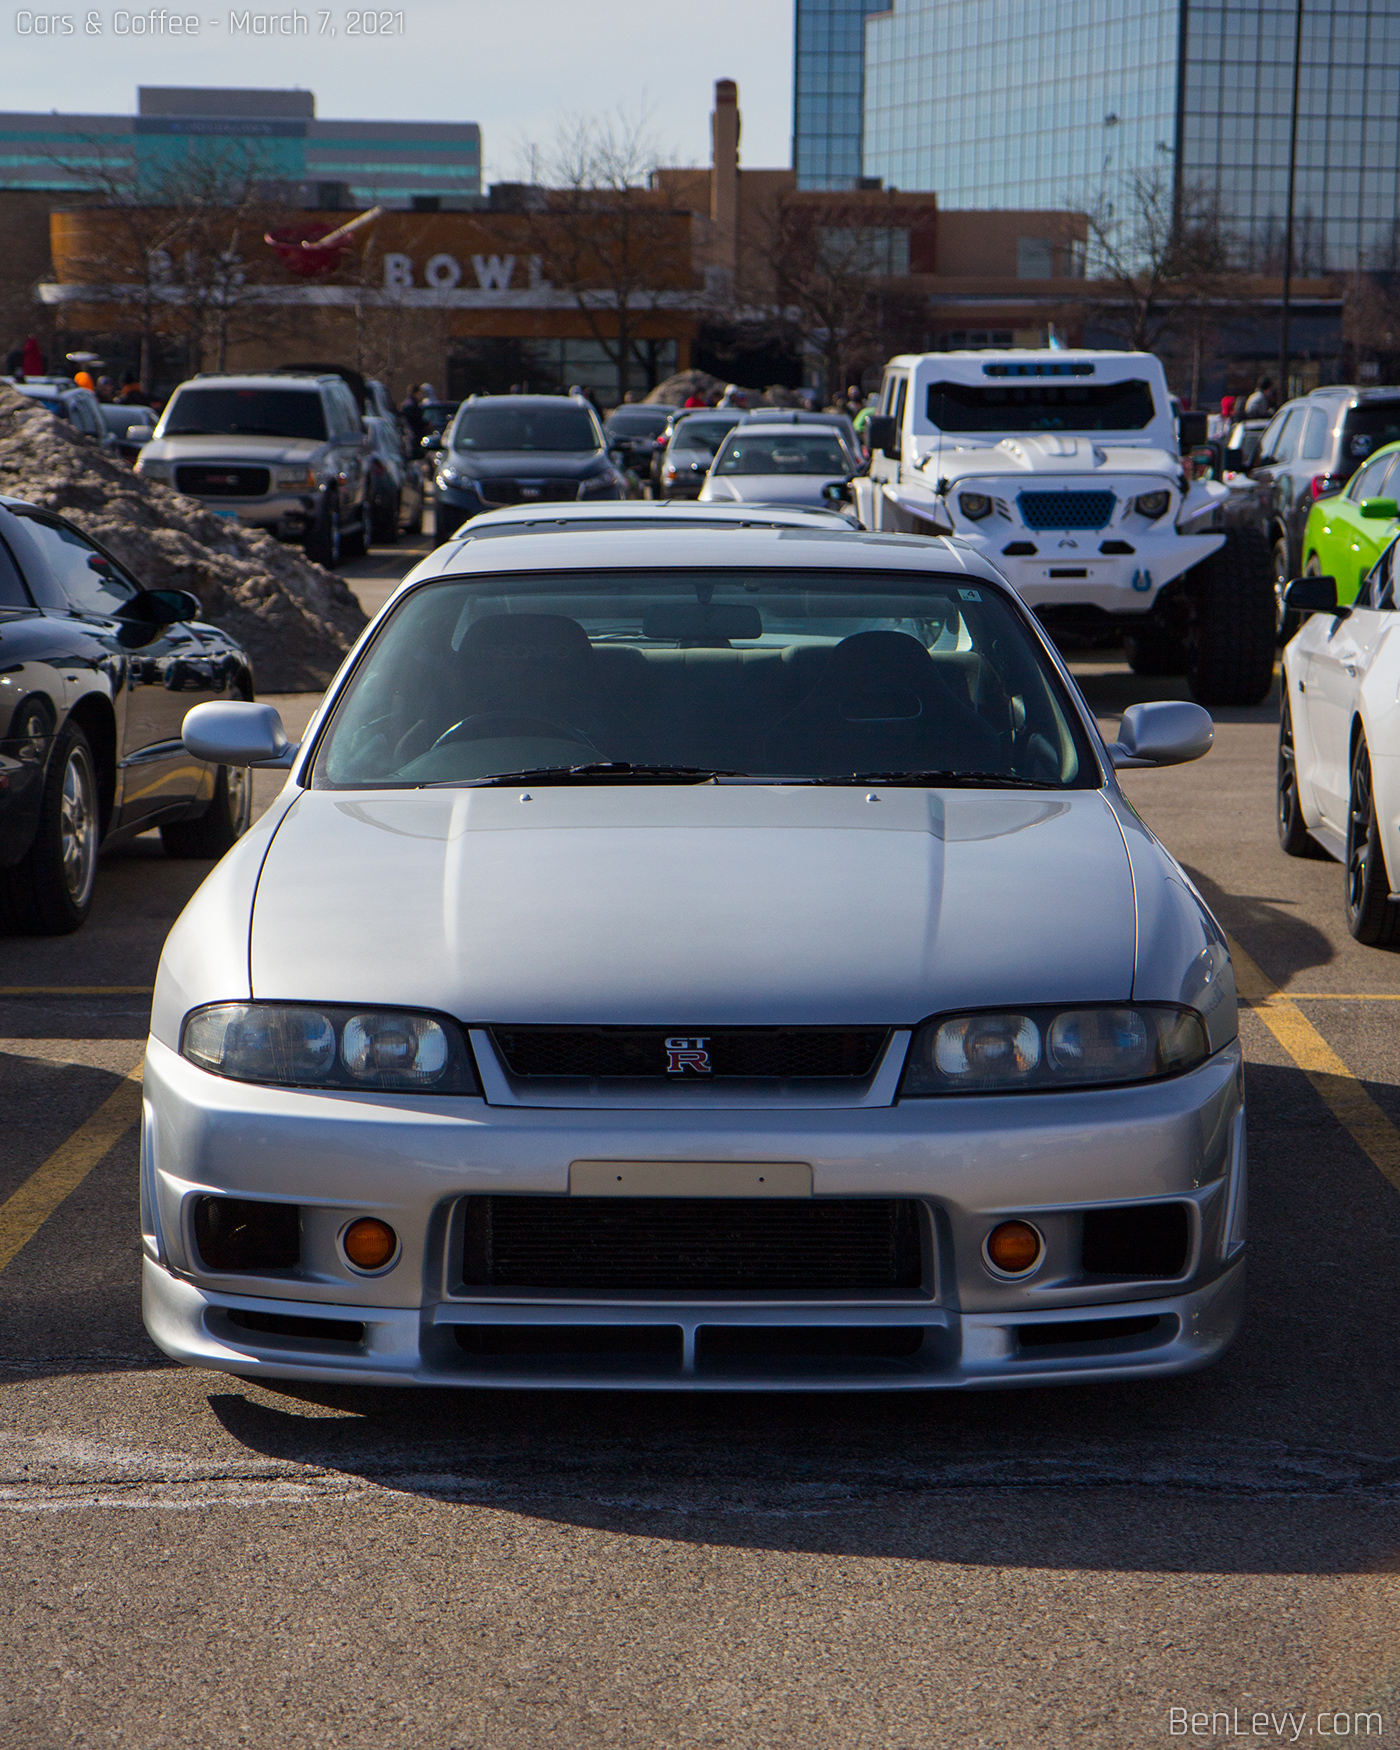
point(1003, 1052)
point(453, 477)
point(155, 470)
point(974, 505)
point(299, 479)
point(298, 1045)
point(1152, 504)
point(600, 482)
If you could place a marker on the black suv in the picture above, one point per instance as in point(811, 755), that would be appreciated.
point(1312, 447)
point(519, 449)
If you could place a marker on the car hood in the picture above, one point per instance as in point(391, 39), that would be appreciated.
point(525, 464)
point(769, 488)
point(1046, 453)
point(222, 448)
point(728, 905)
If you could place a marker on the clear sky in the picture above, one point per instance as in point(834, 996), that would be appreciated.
point(515, 66)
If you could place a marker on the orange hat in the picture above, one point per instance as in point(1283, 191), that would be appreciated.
point(84, 381)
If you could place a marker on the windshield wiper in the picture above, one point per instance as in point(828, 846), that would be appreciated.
point(943, 780)
point(621, 771)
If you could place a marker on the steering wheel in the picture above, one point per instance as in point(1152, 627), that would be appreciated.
point(492, 723)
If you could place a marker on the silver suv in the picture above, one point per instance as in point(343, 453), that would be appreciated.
point(283, 452)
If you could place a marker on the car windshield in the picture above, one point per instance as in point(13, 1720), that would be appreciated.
point(794, 452)
point(1366, 429)
point(1038, 406)
point(704, 435)
point(686, 676)
point(637, 422)
point(565, 427)
point(284, 413)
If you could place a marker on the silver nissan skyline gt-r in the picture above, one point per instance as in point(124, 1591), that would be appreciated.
point(703, 962)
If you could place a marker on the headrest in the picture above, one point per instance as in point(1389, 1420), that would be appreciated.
point(525, 638)
point(879, 656)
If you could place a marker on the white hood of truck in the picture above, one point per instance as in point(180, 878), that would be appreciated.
point(734, 905)
point(1044, 453)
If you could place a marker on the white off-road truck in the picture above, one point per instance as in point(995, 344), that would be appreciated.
point(1063, 468)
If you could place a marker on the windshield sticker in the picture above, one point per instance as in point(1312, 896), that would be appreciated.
point(970, 595)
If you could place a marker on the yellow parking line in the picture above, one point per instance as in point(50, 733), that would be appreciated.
point(23, 1214)
point(1344, 996)
point(76, 990)
point(1350, 1104)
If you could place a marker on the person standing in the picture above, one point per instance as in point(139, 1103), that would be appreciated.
point(1261, 403)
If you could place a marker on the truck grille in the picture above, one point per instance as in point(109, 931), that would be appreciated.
point(642, 1053)
point(1066, 510)
point(610, 1244)
point(215, 482)
point(528, 491)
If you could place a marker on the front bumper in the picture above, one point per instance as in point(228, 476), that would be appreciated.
point(1067, 568)
point(21, 796)
point(968, 1162)
point(285, 514)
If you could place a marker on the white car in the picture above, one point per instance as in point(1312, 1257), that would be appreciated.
point(703, 962)
point(779, 464)
point(1062, 468)
point(1339, 742)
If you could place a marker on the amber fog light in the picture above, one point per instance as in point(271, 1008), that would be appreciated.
point(369, 1244)
point(1014, 1248)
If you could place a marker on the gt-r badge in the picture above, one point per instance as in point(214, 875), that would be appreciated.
point(683, 1054)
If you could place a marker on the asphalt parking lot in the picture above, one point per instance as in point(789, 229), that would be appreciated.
point(189, 1561)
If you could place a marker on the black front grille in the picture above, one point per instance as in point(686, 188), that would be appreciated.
point(528, 491)
point(215, 482)
point(822, 1245)
point(642, 1053)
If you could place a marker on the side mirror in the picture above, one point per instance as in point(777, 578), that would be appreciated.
point(140, 434)
point(431, 442)
point(1167, 733)
point(836, 492)
point(158, 607)
point(235, 733)
point(1380, 509)
point(1311, 595)
point(881, 433)
point(1192, 429)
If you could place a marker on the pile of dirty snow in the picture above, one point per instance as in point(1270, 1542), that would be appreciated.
point(295, 619)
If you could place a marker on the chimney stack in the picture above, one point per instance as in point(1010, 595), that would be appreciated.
point(724, 172)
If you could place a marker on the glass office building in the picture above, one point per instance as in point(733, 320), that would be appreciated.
point(1056, 103)
point(828, 63)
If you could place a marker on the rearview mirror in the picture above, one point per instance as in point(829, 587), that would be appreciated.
point(1311, 595)
point(234, 732)
point(1168, 732)
point(1381, 509)
point(1192, 429)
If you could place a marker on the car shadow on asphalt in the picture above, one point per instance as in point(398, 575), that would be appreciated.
point(1268, 928)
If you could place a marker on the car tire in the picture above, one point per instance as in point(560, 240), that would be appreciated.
point(354, 543)
point(384, 523)
point(323, 542)
point(1373, 917)
point(49, 891)
point(1293, 834)
point(1231, 628)
point(224, 821)
point(1154, 653)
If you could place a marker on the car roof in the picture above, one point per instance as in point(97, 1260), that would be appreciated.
point(804, 548)
point(259, 380)
point(520, 401)
point(649, 513)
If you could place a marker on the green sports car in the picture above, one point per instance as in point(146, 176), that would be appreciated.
point(1348, 531)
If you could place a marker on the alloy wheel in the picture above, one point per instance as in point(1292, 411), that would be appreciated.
point(78, 827)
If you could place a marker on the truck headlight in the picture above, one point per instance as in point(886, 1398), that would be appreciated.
point(162, 471)
point(1003, 1051)
point(305, 1045)
point(974, 505)
point(1152, 504)
point(299, 479)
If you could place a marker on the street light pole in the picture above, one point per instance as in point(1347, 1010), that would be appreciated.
point(1284, 360)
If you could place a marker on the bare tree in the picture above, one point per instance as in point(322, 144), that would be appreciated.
point(1162, 261)
point(167, 244)
point(601, 234)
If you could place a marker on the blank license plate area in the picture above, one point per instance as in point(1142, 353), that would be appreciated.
point(690, 1179)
